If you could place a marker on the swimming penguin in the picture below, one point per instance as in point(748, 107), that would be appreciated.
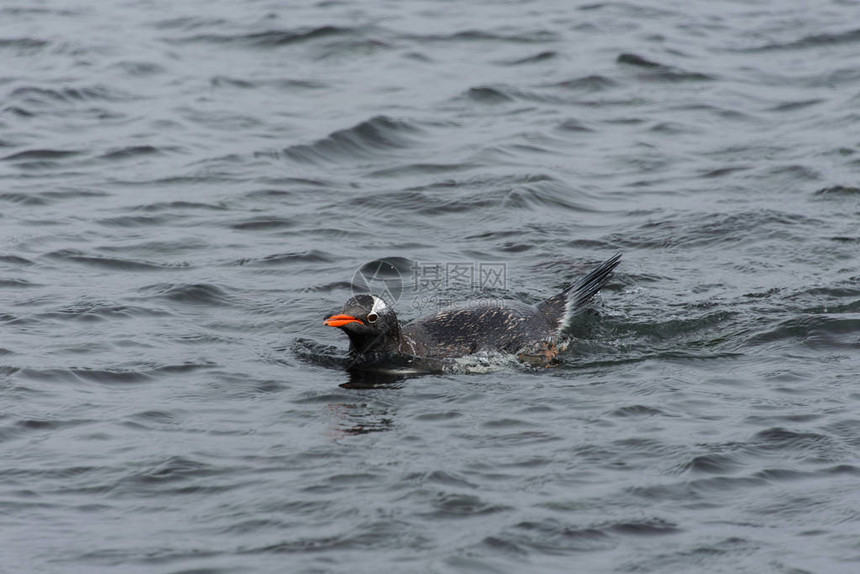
point(534, 333)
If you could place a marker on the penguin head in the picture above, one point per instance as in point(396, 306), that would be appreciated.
point(369, 322)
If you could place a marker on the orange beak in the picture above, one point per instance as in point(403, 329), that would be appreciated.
point(340, 320)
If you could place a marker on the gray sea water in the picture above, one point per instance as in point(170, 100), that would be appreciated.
point(188, 188)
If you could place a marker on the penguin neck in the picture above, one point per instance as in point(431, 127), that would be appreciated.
point(382, 342)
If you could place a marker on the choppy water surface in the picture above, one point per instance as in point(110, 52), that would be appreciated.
point(187, 188)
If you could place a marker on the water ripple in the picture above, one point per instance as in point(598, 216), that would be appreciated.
point(366, 139)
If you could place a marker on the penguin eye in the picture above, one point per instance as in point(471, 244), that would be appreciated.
point(372, 317)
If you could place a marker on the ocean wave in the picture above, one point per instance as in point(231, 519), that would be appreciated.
point(367, 139)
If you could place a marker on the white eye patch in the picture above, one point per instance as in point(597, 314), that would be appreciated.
point(378, 305)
